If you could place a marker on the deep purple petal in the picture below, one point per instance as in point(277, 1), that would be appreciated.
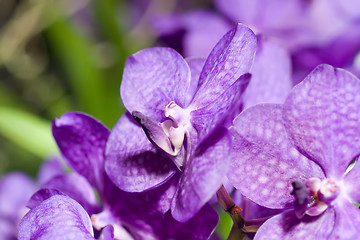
point(207, 118)
point(15, 190)
point(196, 65)
point(203, 175)
point(347, 217)
point(288, 227)
point(153, 78)
point(81, 140)
point(322, 116)
point(41, 196)
point(49, 169)
point(107, 233)
point(264, 163)
point(58, 217)
point(132, 162)
point(270, 76)
point(351, 183)
point(199, 227)
point(232, 57)
point(76, 187)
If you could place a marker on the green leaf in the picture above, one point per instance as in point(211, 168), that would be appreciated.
point(27, 131)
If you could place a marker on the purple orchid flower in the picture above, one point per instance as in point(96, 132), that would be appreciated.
point(295, 157)
point(123, 215)
point(181, 105)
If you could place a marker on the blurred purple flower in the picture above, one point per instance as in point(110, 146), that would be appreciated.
point(296, 156)
point(123, 215)
point(181, 105)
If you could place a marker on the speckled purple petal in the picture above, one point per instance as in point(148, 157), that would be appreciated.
point(76, 187)
point(58, 218)
point(152, 78)
point(223, 109)
point(288, 227)
point(351, 183)
point(196, 65)
point(132, 162)
point(270, 76)
point(347, 217)
point(49, 169)
point(15, 190)
point(232, 57)
point(203, 175)
point(81, 140)
point(322, 116)
point(263, 161)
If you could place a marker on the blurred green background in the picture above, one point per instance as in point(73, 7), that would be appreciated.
point(60, 56)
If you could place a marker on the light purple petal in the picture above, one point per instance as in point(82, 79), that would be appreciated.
point(15, 190)
point(203, 175)
point(288, 227)
point(222, 110)
point(351, 183)
point(153, 78)
point(196, 65)
point(322, 116)
point(264, 163)
point(81, 140)
point(202, 31)
point(7, 229)
point(76, 187)
point(350, 8)
point(132, 162)
point(270, 76)
point(49, 169)
point(347, 217)
point(58, 217)
point(232, 57)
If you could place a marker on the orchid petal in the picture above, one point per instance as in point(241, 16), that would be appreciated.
point(288, 227)
point(264, 162)
point(152, 78)
point(351, 183)
point(49, 169)
point(207, 119)
point(232, 57)
point(81, 140)
point(322, 116)
point(58, 218)
point(196, 65)
point(203, 175)
point(270, 76)
point(132, 162)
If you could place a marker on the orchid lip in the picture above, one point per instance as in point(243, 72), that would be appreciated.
point(315, 196)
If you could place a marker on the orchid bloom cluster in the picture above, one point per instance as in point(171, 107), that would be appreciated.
point(194, 129)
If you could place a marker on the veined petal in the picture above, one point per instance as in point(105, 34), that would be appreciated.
point(322, 116)
point(270, 76)
point(81, 140)
point(288, 227)
point(203, 175)
point(232, 57)
point(196, 65)
point(264, 162)
point(58, 218)
point(132, 162)
point(152, 78)
point(222, 110)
